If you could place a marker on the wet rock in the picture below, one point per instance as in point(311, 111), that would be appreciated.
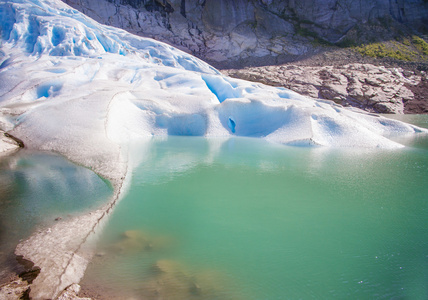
point(17, 289)
point(30, 271)
point(56, 255)
point(71, 293)
point(30, 275)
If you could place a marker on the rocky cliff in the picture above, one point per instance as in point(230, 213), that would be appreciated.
point(254, 31)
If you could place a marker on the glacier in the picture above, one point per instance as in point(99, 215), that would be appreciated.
point(89, 91)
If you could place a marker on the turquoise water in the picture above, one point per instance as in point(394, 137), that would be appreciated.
point(37, 188)
point(245, 219)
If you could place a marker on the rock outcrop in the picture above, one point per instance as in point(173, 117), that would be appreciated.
point(251, 31)
point(372, 88)
point(17, 289)
point(8, 143)
point(332, 19)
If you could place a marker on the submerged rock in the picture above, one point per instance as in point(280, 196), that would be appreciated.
point(172, 280)
point(133, 241)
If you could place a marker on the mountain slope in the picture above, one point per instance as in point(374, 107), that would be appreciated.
point(247, 32)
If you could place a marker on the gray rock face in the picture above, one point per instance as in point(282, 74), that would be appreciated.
point(249, 31)
point(217, 31)
point(331, 19)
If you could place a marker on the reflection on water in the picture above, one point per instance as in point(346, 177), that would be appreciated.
point(36, 189)
point(244, 219)
point(418, 141)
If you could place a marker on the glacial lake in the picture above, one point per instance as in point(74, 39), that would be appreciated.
point(35, 189)
point(238, 218)
point(241, 218)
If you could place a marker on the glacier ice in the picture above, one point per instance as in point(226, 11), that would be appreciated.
point(88, 91)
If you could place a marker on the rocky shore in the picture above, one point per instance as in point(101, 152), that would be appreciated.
point(56, 257)
point(373, 88)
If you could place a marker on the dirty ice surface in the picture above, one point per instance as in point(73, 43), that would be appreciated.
point(88, 91)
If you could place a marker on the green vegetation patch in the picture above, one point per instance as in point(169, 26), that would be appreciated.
point(406, 49)
point(420, 44)
point(391, 49)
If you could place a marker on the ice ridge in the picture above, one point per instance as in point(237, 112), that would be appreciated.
point(55, 29)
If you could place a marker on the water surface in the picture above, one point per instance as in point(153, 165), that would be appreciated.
point(244, 219)
point(37, 188)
